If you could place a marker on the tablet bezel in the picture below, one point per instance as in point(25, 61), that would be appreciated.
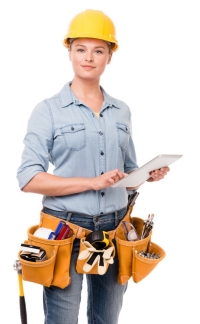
point(140, 175)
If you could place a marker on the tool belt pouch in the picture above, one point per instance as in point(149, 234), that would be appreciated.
point(131, 264)
point(93, 261)
point(55, 270)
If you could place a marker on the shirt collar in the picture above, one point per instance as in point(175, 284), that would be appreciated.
point(109, 101)
point(67, 97)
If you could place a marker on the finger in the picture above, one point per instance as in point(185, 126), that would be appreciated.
point(156, 175)
point(115, 175)
point(165, 170)
point(120, 174)
point(111, 181)
point(116, 178)
point(159, 172)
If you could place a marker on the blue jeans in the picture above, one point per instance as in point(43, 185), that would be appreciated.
point(105, 295)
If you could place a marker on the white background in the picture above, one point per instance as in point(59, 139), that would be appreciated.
point(157, 72)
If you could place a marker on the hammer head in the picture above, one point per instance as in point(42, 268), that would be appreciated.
point(17, 266)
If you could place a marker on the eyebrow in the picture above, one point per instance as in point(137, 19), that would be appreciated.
point(86, 46)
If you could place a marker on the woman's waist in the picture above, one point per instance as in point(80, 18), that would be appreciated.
point(107, 221)
point(90, 203)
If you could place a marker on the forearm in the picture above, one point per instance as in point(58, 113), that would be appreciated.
point(51, 185)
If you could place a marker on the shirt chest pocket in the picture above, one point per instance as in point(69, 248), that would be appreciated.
point(123, 131)
point(74, 136)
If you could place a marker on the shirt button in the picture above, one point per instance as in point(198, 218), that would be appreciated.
point(100, 133)
point(101, 213)
point(102, 172)
point(102, 153)
point(72, 128)
point(101, 115)
point(102, 194)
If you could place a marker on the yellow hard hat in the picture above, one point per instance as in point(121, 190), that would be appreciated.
point(92, 24)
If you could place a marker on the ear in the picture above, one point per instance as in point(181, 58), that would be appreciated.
point(110, 57)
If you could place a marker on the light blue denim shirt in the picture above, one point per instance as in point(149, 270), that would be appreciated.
point(65, 132)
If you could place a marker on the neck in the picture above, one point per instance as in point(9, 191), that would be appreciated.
point(86, 88)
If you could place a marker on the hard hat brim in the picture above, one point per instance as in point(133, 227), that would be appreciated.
point(66, 41)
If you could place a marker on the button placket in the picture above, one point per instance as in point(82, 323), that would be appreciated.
point(102, 163)
point(100, 126)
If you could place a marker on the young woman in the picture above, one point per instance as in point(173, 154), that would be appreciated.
point(85, 134)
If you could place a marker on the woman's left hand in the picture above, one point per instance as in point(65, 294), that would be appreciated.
point(159, 174)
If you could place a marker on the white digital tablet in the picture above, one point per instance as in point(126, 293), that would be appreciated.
point(140, 175)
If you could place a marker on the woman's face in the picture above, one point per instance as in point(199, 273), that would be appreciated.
point(89, 57)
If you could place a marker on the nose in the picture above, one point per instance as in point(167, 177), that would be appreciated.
point(89, 56)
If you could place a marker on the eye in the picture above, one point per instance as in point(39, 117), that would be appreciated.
point(99, 52)
point(80, 50)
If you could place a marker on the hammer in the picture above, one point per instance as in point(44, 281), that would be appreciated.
point(17, 267)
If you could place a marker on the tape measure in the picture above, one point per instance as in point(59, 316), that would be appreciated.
point(98, 239)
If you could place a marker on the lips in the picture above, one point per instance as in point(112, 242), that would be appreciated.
point(88, 67)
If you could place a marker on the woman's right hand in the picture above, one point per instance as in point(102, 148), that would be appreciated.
point(107, 179)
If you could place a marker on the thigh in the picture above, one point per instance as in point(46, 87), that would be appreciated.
point(62, 305)
point(105, 296)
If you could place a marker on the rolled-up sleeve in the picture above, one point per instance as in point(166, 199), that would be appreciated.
point(38, 144)
point(130, 163)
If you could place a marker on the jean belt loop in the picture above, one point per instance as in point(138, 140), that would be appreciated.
point(116, 218)
point(68, 216)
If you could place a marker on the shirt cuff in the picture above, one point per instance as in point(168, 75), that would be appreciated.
point(26, 175)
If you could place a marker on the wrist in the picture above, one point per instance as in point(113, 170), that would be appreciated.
point(91, 184)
